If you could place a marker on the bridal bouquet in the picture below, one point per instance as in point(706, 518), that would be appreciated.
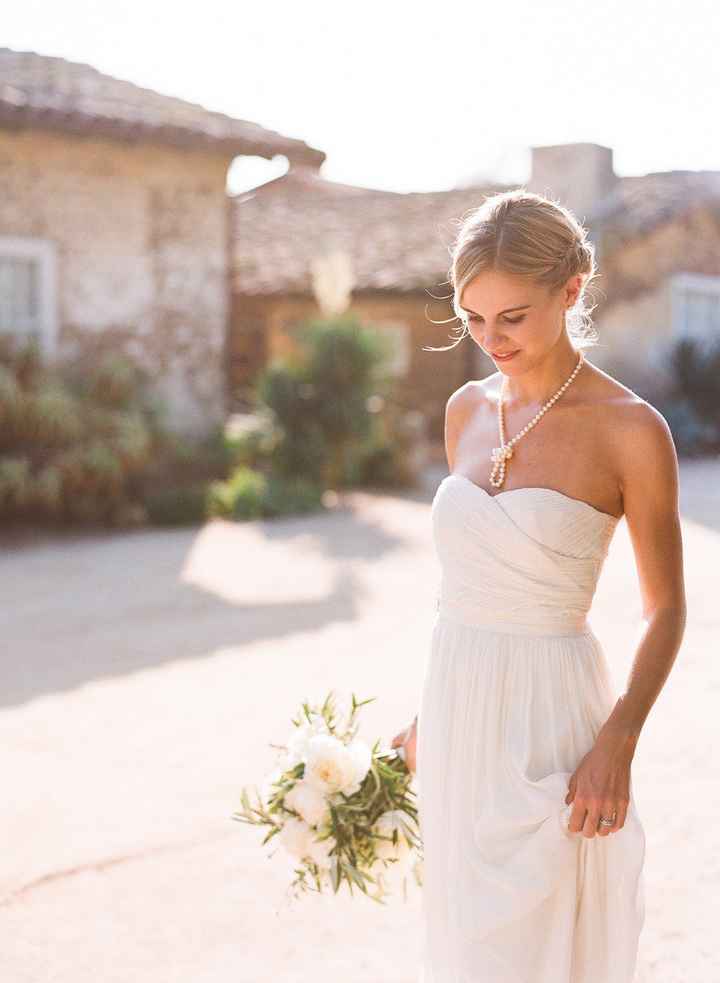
point(343, 811)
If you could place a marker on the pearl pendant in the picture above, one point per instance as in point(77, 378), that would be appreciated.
point(501, 455)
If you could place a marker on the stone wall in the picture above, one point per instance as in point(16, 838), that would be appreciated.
point(141, 245)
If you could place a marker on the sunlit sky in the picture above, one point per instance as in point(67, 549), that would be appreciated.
point(411, 96)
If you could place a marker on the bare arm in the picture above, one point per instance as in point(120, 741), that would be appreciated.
point(649, 475)
point(600, 785)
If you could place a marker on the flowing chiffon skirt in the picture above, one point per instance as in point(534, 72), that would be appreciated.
point(510, 894)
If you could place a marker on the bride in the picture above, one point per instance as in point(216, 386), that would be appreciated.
point(533, 846)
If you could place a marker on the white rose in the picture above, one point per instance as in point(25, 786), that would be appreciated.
point(296, 836)
point(308, 801)
point(331, 766)
point(298, 741)
point(299, 840)
point(361, 756)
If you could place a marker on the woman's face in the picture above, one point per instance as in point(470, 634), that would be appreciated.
point(507, 314)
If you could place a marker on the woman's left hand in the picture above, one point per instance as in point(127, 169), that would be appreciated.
point(600, 786)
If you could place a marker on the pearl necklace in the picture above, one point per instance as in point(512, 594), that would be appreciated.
point(500, 455)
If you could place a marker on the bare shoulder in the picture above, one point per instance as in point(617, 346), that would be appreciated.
point(464, 404)
point(647, 455)
point(472, 396)
point(639, 437)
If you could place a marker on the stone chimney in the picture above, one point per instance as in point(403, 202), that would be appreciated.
point(577, 175)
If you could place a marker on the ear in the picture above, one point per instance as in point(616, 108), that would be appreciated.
point(573, 288)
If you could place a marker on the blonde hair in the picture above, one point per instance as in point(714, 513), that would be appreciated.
point(526, 235)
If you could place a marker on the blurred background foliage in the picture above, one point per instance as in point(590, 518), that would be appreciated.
point(691, 401)
point(83, 445)
point(326, 418)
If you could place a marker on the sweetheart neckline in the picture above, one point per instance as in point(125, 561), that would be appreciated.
point(536, 488)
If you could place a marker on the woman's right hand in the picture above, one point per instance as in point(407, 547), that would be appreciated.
point(407, 739)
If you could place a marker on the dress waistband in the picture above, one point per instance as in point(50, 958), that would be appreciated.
point(548, 626)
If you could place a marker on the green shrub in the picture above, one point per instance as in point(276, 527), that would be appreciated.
point(693, 436)
point(251, 438)
point(249, 494)
point(321, 400)
point(691, 402)
point(177, 506)
point(291, 495)
point(240, 496)
point(72, 444)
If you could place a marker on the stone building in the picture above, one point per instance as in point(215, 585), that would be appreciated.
point(115, 224)
point(657, 239)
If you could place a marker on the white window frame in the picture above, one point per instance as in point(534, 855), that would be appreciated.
point(44, 251)
point(682, 284)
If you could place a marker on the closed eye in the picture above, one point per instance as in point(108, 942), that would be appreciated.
point(508, 320)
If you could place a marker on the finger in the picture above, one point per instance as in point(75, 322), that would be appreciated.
point(609, 809)
point(590, 826)
point(622, 808)
point(577, 817)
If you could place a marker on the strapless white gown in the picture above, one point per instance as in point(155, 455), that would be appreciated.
point(516, 688)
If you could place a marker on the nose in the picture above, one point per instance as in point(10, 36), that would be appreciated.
point(494, 343)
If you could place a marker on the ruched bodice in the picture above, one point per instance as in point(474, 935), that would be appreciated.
point(527, 559)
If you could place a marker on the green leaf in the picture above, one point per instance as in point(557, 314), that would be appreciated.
point(335, 874)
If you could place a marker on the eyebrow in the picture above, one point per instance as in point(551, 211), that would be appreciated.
point(506, 311)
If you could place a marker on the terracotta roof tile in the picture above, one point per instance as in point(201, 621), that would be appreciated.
point(396, 241)
point(51, 93)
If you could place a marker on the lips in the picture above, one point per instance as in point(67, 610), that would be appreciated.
point(503, 355)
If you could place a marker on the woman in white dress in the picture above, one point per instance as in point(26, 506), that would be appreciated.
point(533, 846)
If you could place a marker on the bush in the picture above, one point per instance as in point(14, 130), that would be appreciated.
point(70, 446)
point(251, 438)
point(249, 494)
point(693, 437)
point(177, 506)
point(691, 403)
point(323, 419)
point(287, 496)
point(323, 401)
point(241, 495)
